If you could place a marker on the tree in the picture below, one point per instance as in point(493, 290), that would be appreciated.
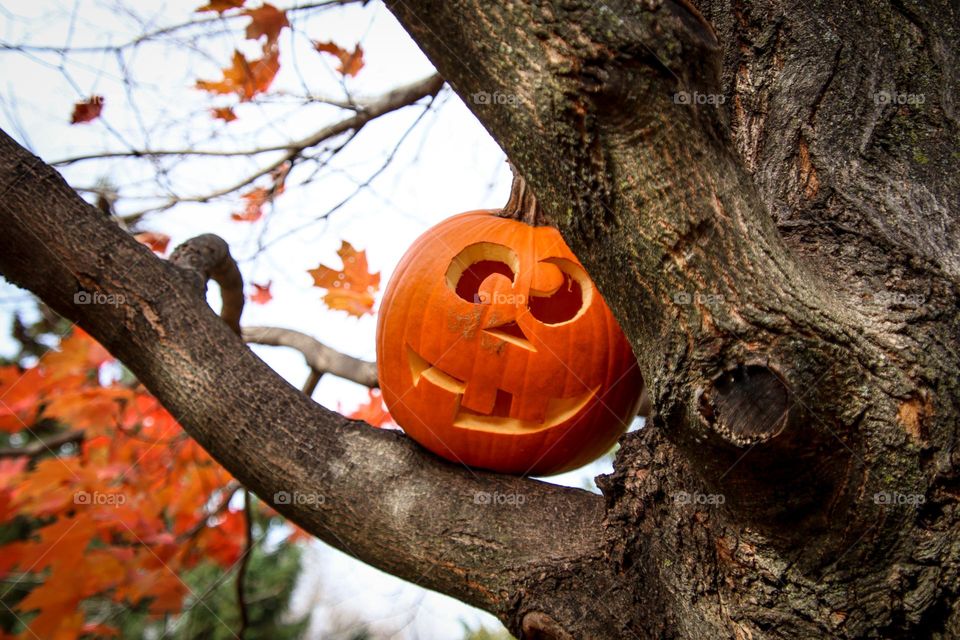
point(113, 520)
point(765, 195)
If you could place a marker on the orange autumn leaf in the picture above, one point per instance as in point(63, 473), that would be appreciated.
point(373, 412)
point(157, 242)
point(259, 196)
point(87, 110)
point(224, 113)
point(221, 5)
point(350, 61)
point(111, 514)
point(266, 21)
point(352, 288)
point(246, 78)
point(261, 293)
point(75, 355)
point(19, 397)
point(253, 207)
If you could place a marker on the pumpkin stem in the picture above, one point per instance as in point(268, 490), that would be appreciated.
point(522, 204)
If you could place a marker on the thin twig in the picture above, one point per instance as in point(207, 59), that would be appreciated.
point(48, 445)
point(311, 383)
point(5, 46)
point(391, 101)
point(244, 562)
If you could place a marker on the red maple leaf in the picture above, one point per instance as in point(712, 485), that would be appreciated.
point(224, 113)
point(157, 242)
point(350, 61)
point(253, 209)
point(246, 78)
point(261, 293)
point(266, 20)
point(221, 5)
point(373, 412)
point(87, 110)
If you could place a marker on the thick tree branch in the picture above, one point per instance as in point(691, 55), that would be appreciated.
point(319, 356)
point(372, 493)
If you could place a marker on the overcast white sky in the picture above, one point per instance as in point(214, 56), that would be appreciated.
point(446, 165)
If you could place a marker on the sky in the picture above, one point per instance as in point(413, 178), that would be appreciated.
point(444, 165)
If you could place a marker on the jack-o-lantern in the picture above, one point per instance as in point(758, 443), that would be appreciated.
point(496, 350)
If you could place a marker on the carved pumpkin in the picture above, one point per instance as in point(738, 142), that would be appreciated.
point(495, 349)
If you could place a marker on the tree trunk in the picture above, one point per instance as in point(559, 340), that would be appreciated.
point(766, 195)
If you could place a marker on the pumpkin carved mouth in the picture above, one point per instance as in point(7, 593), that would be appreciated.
point(559, 410)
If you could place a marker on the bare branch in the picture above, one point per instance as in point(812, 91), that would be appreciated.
point(42, 446)
point(227, 493)
point(319, 356)
point(153, 35)
point(209, 257)
point(310, 384)
point(245, 564)
point(391, 101)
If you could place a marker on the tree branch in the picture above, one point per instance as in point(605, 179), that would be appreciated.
point(244, 565)
point(319, 356)
point(42, 446)
point(390, 101)
point(208, 256)
point(371, 493)
point(163, 31)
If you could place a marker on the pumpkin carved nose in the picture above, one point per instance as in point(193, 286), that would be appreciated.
point(512, 333)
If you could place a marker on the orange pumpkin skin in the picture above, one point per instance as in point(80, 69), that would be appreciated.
point(495, 349)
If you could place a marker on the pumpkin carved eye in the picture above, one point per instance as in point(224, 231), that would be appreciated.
point(476, 263)
point(564, 302)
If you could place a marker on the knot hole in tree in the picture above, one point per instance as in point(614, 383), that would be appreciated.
point(759, 447)
point(746, 405)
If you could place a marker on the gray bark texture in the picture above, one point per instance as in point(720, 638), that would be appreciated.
point(766, 193)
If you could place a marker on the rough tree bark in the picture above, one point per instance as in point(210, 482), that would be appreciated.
point(768, 208)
